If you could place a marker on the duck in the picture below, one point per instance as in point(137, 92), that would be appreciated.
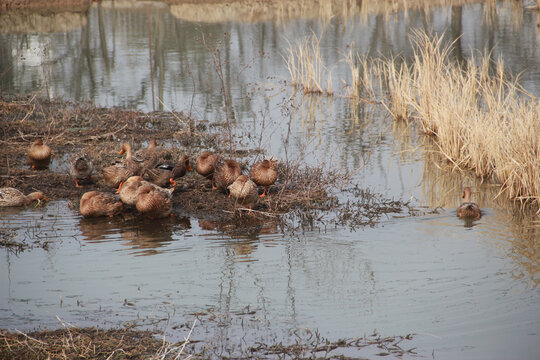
point(38, 155)
point(205, 166)
point(13, 197)
point(116, 174)
point(154, 202)
point(244, 191)
point(225, 173)
point(80, 167)
point(97, 203)
point(164, 174)
point(128, 191)
point(468, 209)
point(264, 173)
point(147, 158)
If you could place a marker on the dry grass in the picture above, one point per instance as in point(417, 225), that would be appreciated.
point(90, 343)
point(306, 67)
point(482, 120)
point(361, 77)
point(399, 84)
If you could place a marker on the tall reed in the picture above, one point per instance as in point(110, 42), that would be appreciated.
point(482, 121)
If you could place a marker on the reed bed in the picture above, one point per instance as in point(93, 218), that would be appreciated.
point(482, 120)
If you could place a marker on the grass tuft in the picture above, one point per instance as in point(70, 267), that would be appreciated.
point(306, 67)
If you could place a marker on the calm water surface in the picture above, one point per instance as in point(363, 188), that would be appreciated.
point(466, 291)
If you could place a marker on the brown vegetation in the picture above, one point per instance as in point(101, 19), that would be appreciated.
point(79, 343)
point(481, 119)
point(50, 5)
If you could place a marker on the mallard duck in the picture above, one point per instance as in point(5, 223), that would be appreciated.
point(468, 209)
point(264, 173)
point(116, 174)
point(226, 172)
point(163, 174)
point(80, 167)
point(12, 197)
point(244, 191)
point(39, 155)
point(147, 158)
point(128, 191)
point(205, 166)
point(97, 203)
point(154, 202)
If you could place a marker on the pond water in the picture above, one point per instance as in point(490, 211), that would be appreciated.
point(467, 290)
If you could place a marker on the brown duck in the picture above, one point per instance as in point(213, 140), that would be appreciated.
point(468, 209)
point(147, 158)
point(226, 171)
point(164, 174)
point(128, 191)
point(154, 202)
point(244, 191)
point(12, 197)
point(97, 203)
point(116, 174)
point(38, 155)
point(80, 167)
point(205, 166)
point(264, 173)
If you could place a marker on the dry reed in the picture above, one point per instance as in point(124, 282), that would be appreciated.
point(482, 120)
point(306, 67)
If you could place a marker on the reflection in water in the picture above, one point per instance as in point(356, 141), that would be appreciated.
point(243, 236)
point(281, 11)
point(24, 22)
point(144, 236)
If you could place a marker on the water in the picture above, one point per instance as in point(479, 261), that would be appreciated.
point(468, 290)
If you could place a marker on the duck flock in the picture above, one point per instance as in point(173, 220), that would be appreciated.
point(142, 180)
point(145, 181)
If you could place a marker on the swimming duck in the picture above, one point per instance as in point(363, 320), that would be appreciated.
point(38, 155)
point(244, 191)
point(97, 203)
point(147, 158)
point(205, 166)
point(12, 197)
point(468, 209)
point(163, 174)
point(116, 174)
point(80, 167)
point(226, 171)
point(264, 173)
point(154, 202)
point(128, 191)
